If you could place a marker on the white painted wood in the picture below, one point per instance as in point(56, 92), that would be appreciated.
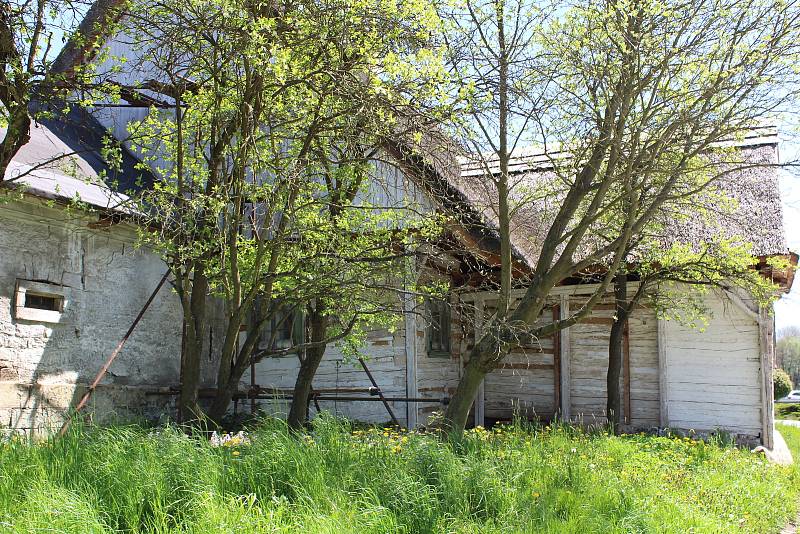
point(737, 299)
point(766, 325)
point(411, 358)
point(708, 377)
point(480, 397)
point(565, 361)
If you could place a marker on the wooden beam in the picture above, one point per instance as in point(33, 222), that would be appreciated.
point(626, 372)
point(663, 378)
point(480, 397)
point(556, 362)
point(529, 351)
point(607, 321)
point(765, 330)
point(564, 359)
point(523, 366)
point(410, 325)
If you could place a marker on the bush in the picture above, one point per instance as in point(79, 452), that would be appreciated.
point(781, 383)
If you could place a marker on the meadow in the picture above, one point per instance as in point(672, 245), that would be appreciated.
point(340, 478)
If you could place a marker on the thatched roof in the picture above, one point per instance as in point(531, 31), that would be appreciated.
point(92, 32)
point(461, 186)
point(752, 185)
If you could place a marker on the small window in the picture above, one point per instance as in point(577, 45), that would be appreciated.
point(438, 333)
point(285, 330)
point(41, 302)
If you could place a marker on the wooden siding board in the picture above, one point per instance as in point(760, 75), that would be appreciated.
point(713, 376)
point(589, 366)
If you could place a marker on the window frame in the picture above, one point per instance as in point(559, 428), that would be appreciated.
point(444, 314)
point(297, 336)
point(42, 289)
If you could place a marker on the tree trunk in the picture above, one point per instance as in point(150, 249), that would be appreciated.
point(298, 412)
point(615, 352)
point(228, 383)
point(188, 409)
point(18, 133)
point(455, 417)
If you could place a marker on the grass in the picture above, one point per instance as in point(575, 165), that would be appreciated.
point(342, 479)
point(786, 410)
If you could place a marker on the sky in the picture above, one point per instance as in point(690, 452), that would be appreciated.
point(787, 309)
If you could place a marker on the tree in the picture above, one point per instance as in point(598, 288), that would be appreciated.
point(277, 115)
point(35, 73)
point(631, 100)
point(787, 352)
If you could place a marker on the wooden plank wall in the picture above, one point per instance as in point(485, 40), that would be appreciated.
point(386, 361)
point(714, 376)
point(589, 366)
point(438, 377)
point(525, 384)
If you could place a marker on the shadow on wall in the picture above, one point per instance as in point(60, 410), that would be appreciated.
point(68, 294)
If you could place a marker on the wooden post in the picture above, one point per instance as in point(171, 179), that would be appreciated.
point(564, 346)
point(410, 325)
point(766, 326)
point(556, 363)
point(626, 372)
point(480, 396)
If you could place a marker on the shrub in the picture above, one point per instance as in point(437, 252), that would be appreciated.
point(781, 383)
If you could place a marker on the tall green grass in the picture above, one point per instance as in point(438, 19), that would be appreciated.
point(341, 479)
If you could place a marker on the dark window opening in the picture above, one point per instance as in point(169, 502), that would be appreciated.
point(285, 330)
point(439, 328)
point(42, 302)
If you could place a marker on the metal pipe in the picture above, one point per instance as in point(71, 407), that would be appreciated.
point(114, 354)
point(334, 398)
point(380, 393)
point(444, 400)
point(315, 396)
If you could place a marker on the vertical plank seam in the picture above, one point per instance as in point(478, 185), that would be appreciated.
point(556, 362)
point(663, 378)
point(565, 360)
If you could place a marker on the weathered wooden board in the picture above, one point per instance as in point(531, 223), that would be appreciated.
point(589, 365)
point(714, 375)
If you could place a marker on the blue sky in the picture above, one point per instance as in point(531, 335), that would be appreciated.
point(787, 309)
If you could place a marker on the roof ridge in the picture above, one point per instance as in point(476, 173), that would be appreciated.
point(535, 157)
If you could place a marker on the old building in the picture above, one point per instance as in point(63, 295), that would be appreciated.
point(72, 281)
